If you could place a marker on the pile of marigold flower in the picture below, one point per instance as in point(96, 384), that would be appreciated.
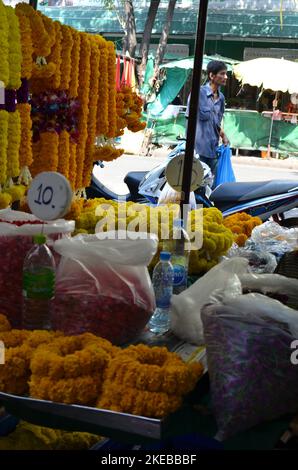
point(241, 225)
point(129, 110)
point(89, 370)
point(207, 226)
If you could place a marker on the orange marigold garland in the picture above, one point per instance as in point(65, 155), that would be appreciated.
point(241, 225)
point(45, 153)
point(14, 141)
point(26, 45)
point(72, 164)
point(103, 95)
point(84, 85)
point(112, 90)
point(93, 102)
point(40, 37)
point(25, 152)
point(55, 59)
point(64, 153)
point(75, 64)
point(66, 65)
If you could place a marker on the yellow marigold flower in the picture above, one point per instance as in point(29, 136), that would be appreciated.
point(14, 141)
point(4, 45)
point(15, 54)
point(5, 200)
point(4, 117)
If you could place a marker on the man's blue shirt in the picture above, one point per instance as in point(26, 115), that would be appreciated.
point(209, 121)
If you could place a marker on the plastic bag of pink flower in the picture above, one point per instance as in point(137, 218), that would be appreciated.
point(103, 286)
point(16, 238)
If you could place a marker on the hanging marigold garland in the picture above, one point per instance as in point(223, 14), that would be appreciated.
point(64, 153)
point(40, 37)
point(93, 102)
point(26, 45)
point(14, 140)
point(26, 157)
point(4, 48)
point(112, 90)
point(72, 164)
point(15, 54)
point(103, 95)
point(56, 59)
point(75, 64)
point(83, 96)
point(45, 153)
point(66, 65)
point(3, 145)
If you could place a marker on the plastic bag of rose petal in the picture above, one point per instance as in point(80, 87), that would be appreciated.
point(103, 285)
point(252, 378)
point(16, 238)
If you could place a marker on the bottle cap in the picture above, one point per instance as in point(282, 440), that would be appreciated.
point(178, 223)
point(165, 256)
point(39, 239)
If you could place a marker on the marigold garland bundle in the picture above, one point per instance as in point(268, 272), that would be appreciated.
point(26, 45)
point(16, 192)
point(103, 95)
point(93, 103)
point(72, 164)
point(28, 436)
point(45, 153)
point(13, 148)
point(4, 323)
point(5, 200)
point(55, 58)
point(64, 153)
point(241, 225)
point(107, 153)
point(25, 151)
point(15, 54)
point(112, 90)
point(66, 65)
point(40, 37)
point(20, 345)
point(3, 145)
point(4, 46)
point(83, 96)
point(75, 64)
point(71, 369)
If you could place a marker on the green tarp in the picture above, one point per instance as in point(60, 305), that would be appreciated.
point(245, 130)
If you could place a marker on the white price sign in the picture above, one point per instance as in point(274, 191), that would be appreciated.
point(49, 196)
point(174, 173)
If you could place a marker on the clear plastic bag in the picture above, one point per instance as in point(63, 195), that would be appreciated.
point(259, 261)
point(16, 239)
point(103, 286)
point(252, 377)
point(168, 195)
point(186, 307)
point(273, 238)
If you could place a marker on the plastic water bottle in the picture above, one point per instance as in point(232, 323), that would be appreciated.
point(178, 245)
point(162, 281)
point(38, 285)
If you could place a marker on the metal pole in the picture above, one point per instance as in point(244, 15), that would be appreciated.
point(194, 103)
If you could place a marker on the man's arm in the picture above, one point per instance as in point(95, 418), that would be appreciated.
point(222, 134)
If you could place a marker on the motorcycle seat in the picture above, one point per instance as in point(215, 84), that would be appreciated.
point(133, 180)
point(242, 192)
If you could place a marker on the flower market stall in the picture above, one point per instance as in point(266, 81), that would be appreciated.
point(96, 367)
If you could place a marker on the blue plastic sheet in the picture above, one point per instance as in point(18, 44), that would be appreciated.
point(225, 172)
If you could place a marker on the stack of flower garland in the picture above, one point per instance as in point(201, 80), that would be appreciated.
point(129, 110)
point(71, 80)
point(89, 370)
point(241, 224)
point(208, 224)
point(10, 115)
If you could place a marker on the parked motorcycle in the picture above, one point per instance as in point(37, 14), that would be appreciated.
point(263, 199)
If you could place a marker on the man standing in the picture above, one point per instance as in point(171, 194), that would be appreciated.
point(210, 115)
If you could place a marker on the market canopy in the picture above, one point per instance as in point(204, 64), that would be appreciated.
point(271, 74)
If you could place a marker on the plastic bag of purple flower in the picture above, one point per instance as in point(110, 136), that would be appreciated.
point(253, 378)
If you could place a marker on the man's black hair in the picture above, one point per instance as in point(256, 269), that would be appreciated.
point(215, 66)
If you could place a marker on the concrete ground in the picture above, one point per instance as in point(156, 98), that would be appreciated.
point(246, 169)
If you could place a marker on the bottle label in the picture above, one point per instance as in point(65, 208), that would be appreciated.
point(39, 286)
point(179, 265)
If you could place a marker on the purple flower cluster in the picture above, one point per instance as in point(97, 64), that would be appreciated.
point(54, 112)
